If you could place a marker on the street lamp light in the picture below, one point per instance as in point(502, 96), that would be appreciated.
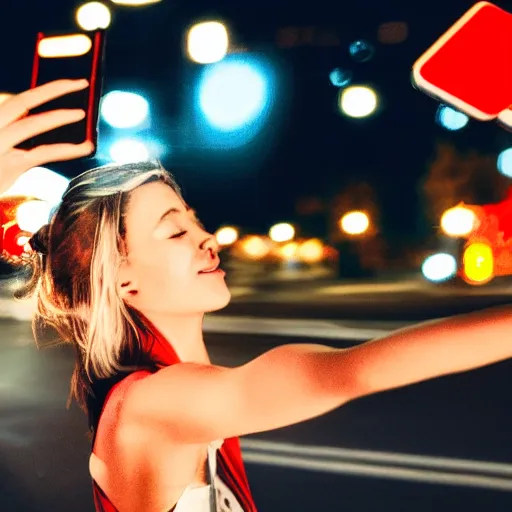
point(458, 221)
point(358, 101)
point(355, 223)
point(227, 235)
point(282, 232)
point(207, 42)
point(93, 16)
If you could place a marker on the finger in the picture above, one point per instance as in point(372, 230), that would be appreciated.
point(17, 106)
point(24, 129)
point(57, 153)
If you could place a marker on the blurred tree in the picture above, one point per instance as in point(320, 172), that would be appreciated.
point(359, 255)
point(454, 177)
point(311, 214)
point(310, 206)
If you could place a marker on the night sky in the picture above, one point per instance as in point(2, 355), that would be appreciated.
point(307, 147)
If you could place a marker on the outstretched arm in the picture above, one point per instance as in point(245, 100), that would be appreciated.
point(433, 349)
point(292, 383)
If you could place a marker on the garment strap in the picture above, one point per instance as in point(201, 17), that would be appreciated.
point(212, 471)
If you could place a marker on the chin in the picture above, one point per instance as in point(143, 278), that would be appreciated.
point(220, 302)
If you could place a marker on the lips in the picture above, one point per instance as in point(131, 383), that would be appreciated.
point(210, 269)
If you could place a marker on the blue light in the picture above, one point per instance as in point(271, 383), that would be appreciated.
point(122, 109)
point(234, 100)
point(361, 51)
point(439, 267)
point(127, 150)
point(450, 118)
point(340, 77)
point(233, 94)
point(505, 162)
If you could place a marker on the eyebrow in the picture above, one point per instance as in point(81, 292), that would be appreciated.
point(171, 211)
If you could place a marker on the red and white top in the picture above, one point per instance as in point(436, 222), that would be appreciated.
point(215, 497)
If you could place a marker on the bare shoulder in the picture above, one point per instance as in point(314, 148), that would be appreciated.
point(125, 458)
point(111, 416)
point(110, 429)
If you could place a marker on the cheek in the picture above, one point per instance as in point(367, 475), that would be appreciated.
point(171, 267)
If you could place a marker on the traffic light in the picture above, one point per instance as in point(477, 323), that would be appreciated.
point(478, 263)
point(488, 250)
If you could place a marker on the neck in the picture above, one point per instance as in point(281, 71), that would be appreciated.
point(185, 334)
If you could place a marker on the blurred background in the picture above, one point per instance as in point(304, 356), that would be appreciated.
point(347, 204)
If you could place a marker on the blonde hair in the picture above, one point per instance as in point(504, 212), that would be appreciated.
point(75, 284)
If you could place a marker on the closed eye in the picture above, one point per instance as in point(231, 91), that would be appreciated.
point(179, 235)
point(195, 220)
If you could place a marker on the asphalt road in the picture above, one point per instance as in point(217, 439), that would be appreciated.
point(442, 445)
point(367, 305)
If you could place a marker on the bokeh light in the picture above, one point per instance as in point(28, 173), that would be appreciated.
point(126, 151)
point(504, 163)
point(227, 235)
point(254, 247)
point(358, 101)
point(439, 267)
point(478, 263)
point(311, 251)
point(458, 221)
point(40, 183)
point(289, 251)
point(93, 16)
point(207, 42)
point(121, 109)
point(355, 223)
point(340, 77)
point(281, 232)
point(32, 215)
point(361, 51)
point(233, 94)
point(450, 118)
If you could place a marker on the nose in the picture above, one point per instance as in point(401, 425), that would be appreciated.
point(210, 245)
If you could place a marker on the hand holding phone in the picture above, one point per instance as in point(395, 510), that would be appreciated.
point(16, 127)
point(71, 56)
point(470, 66)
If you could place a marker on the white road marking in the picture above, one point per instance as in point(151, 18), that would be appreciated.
point(395, 466)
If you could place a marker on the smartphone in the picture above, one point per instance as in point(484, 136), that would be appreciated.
point(470, 66)
point(73, 56)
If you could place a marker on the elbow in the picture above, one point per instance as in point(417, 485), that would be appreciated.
point(344, 377)
point(346, 390)
point(333, 379)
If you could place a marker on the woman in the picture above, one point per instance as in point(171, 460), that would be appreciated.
point(126, 272)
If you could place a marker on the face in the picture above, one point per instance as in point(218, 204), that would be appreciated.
point(170, 257)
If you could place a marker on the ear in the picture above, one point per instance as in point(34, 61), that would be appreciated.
point(126, 283)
